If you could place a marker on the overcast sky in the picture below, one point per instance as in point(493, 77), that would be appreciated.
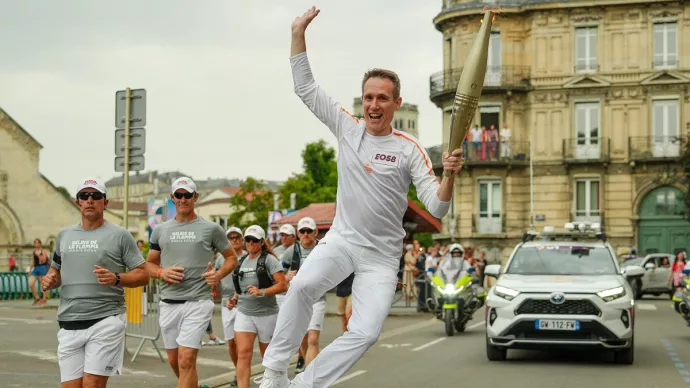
point(217, 74)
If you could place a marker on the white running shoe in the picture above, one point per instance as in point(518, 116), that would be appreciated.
point(273, 379)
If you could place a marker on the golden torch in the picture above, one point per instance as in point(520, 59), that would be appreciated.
point(470, 86)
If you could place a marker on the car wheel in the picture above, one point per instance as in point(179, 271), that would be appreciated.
point(495, 353)
point(637, 289)
point(625, 356)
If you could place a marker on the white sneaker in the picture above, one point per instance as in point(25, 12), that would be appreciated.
point(273, 379)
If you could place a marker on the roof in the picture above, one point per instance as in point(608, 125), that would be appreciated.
point(72, 201)
point(324, 213)
point(21, 129)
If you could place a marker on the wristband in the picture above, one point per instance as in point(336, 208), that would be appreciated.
point(158, 274)
point(117, 276)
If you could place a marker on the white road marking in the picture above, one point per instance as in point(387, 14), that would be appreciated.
point(391, 346)
point(27, 321)
point(199, 360)
point(52, 357)
point(646, 306)
point(407, 329)
point(476, 325)
point(434, 342)
point(348, 377)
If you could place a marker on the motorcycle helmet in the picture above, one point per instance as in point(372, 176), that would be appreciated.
point(456, 250)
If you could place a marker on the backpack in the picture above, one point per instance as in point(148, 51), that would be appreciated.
point(265, 279)
point(296, 257)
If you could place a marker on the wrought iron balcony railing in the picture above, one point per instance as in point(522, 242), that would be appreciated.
point(586, 149)
point(498, 153)
point(642, 148)
point(497, 77)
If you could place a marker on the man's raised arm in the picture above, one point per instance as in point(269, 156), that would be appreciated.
point(324, 108)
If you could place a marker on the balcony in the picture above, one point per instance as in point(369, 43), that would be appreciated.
point(512, 153)
point(445, 83)
point(583, 150)
point(656, 148)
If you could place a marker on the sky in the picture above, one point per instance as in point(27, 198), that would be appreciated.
point(220, 98)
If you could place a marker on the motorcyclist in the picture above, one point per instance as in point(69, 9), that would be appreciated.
point(454, 260)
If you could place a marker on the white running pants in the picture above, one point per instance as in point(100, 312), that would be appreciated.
point(372, 293)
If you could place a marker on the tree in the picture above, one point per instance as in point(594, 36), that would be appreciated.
point(64, 192)
point(251, 205)
point(425, 239)
point(319, 181)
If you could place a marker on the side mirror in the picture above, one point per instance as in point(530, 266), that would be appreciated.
point(634, 271)
point(492, 270)
point(650, 266)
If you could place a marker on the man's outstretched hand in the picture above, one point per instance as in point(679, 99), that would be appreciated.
point(299, 25)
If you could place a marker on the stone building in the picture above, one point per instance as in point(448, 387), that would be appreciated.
point(406, 117)
point(30, 205)
point(601, 90)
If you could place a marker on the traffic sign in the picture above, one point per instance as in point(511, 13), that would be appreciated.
point(137, 142)
point(137, 111)
point(136, 163)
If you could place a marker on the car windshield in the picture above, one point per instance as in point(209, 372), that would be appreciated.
point(562, 260)
point(637, 261)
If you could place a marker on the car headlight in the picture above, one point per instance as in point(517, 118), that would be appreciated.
point(611, 294)
point(506, 293)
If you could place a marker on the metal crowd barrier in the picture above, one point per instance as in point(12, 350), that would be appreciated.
point(15, 286)
point(142, 315)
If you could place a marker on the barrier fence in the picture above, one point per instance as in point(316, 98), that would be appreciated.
point(142, 315)
point(15, 286)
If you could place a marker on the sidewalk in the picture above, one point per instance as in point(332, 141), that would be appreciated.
point(399, 309)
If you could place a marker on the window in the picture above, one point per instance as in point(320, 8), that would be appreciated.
point(665, 142)
point(587, 199)
point(489, 206)
point(667, 203)
point(585, 49)
point(665, 45)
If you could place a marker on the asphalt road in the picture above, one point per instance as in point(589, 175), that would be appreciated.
point(413, 351)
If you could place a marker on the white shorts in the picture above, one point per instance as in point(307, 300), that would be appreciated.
point(263, 326)
point(98, 350)
point(228, 317)
point(318, 316)
point(185, 324)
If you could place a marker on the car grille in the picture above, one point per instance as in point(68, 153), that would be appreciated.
point(569, 307)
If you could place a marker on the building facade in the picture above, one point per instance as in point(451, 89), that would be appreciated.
point(406, 117)
point(596, 94)
point(31, 206)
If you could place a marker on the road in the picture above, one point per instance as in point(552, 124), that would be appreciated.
point(413, 351)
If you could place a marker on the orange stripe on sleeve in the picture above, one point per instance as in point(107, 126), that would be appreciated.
point(426, 160)
point(350, 114)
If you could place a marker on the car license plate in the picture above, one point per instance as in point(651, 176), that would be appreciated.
point(557, 324)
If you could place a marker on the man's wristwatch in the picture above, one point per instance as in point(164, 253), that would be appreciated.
point(117, 282)
point(263, 292)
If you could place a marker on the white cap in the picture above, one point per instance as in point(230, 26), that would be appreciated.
point(255, 231)
point(234, 229)
point(306, 222)
point(184, 183)
point(93, 183)
point(287, 229)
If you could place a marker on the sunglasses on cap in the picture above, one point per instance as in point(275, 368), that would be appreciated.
point(185, 195)
point(306, 231)
point(84, 196)
point(251, 240)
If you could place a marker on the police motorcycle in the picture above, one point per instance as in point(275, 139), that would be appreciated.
point(681, 298)
point(456, 293)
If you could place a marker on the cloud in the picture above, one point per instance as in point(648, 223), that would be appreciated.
point(219, 87)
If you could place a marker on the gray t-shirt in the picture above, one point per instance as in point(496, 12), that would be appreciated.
point(280, 249)
point(188, 245)
point(78, 251)
point(257, 305)
point(286, 258)
point(227, 286)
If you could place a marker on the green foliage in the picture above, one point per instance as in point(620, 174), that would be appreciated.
point(424, 239)
point(246, 212)
point(319, 181)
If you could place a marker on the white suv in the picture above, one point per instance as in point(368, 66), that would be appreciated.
point(561, 290)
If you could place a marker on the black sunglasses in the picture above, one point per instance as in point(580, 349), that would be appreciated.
point(306, 231)
point(251, 240)
point(84, 196)
point(185, 195)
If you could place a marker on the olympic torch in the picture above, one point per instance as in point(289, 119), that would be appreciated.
point(470, 86)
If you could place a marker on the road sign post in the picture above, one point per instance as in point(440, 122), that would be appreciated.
point(130, 108)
